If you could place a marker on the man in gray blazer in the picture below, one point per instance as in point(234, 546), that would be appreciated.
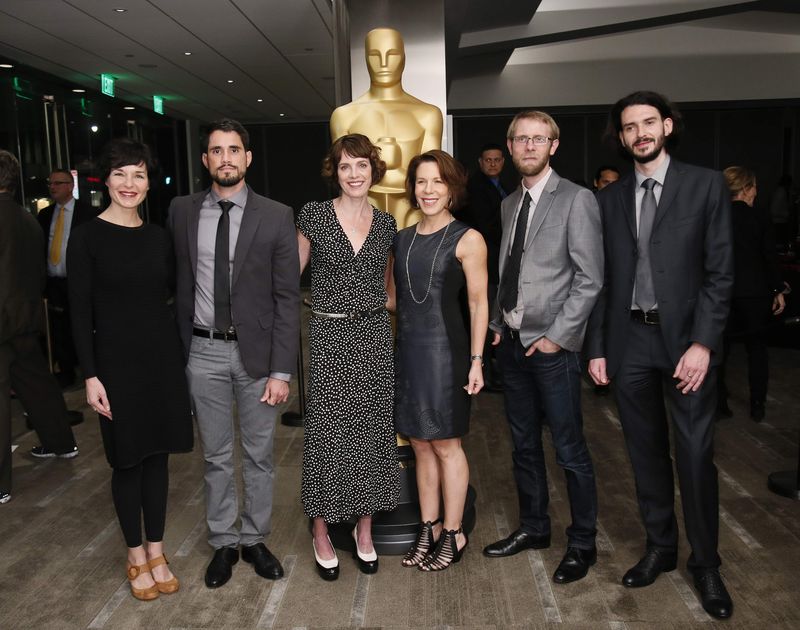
point(657, 332)
point(551, 271)
point(237, 305)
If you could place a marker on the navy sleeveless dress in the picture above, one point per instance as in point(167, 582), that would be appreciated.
point(432, 353)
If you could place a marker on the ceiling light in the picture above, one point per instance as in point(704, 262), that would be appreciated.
point(230, 80)
point(281, 115)
point(128, 107)
point(94, 128)
point(120, 10)
point(187, 53)
point(261, 100)
point(78, 91)
point(6, 65)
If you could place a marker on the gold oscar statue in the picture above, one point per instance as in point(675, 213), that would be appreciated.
point(400, 124)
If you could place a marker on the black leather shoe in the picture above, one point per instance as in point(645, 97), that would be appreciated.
point(574, 565)
point(757, 410)
point(514, 543)
point(265, 564)
point(645, 572)
point(219, 570)
point(713, 594)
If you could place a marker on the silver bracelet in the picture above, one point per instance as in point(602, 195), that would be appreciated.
point(477, 357)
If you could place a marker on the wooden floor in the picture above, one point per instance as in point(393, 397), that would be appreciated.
point(62, 557)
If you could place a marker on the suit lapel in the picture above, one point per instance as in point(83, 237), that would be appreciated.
point(247, 231)
point(628, 194)
point(542, 208)
point(192, 225)
point(671, 184)
point(507, 210)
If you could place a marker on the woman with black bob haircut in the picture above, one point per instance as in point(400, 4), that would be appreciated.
point(121, 273)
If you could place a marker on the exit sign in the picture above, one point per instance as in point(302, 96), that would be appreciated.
point(107, 84)
point(158, 104)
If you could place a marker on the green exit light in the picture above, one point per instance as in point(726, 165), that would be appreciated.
point(158, 104)
point(107, 84)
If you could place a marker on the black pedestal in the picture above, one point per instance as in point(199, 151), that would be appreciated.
point(394, 532)
point(785, 483)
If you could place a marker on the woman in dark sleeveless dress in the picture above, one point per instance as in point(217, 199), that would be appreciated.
point(438, 364)
point(349, 445)
point(120, 271)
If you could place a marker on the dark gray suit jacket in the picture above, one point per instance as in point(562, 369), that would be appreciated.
point(265, 287)
point(692, 259)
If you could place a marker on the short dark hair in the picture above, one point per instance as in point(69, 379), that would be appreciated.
point(645, 97)
point(226, 125)
point(9, 171)
point(63, 171)
point(355, 145)
point(605, 167)
point(451, 171)
point(492, 146)
point(125, 152)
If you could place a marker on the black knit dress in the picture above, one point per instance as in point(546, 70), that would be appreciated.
point(126, 336)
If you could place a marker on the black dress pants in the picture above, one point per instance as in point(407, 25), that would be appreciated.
point(24, 368)
point(60, 326)
point(642, 384)
point(748, 322)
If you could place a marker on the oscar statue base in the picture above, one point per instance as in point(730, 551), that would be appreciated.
point(394, 532)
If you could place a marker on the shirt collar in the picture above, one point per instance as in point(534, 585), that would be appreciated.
point(536, 190)
point(239, 198)
point(659, 175)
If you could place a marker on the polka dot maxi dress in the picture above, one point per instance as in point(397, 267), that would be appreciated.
point(349, 447)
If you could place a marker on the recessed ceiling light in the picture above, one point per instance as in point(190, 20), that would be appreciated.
point(94, 128)
point(230, 80)
point(281, 115)
point(78, 91)
point(128, 107)
point(261, 100)
point(187, 53)
point(120, 10)
point(6, 65)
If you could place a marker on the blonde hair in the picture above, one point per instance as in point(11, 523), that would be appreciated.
point(534, 114)
point(739, 179)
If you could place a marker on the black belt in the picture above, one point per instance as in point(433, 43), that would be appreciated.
point(650, 318)
point(349, 314)
point(213, 334)
point(512, 333)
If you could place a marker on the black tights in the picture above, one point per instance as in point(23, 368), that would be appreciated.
point(142, 490)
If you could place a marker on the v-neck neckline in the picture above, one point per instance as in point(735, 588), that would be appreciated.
point(344, 232)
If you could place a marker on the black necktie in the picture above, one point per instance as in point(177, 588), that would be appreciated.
point(645, 295)
point(222, 273)
point(509, 284)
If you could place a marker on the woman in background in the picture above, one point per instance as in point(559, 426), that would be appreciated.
point(349, 446)
point(438, 363)
point(757, 289)
point(120, 278)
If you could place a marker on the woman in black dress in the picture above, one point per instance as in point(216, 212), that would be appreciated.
point(438, 365)
point(349, 445)
point(757, 289)
point(130, 354)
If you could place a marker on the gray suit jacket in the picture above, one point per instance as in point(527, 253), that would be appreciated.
point(561, 272)
point(265, 288)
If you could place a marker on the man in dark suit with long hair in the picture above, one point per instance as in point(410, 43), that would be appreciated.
point(238, 311)
point(657, 332)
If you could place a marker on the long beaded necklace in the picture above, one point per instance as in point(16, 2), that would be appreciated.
point(433, 264)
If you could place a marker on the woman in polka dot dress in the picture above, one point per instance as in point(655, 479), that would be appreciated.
point(349, 448)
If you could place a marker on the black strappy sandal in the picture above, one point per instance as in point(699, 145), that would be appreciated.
point(445, 553)
point(422, 545)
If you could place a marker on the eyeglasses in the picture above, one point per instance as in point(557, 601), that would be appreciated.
point(58, 183)
point(524, 140)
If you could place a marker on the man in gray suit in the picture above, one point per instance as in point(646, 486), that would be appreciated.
point(551, 272)
point(237, 303)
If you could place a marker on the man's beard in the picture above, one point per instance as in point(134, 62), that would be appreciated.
point(658, 146)
point(230, 179)
point(530, 170)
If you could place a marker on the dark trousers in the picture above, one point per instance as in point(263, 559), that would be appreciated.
point(142, 491)
point(538, 389)
point(24, 368)
point(60, 326)
point(643, 381)
point(748, 322)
